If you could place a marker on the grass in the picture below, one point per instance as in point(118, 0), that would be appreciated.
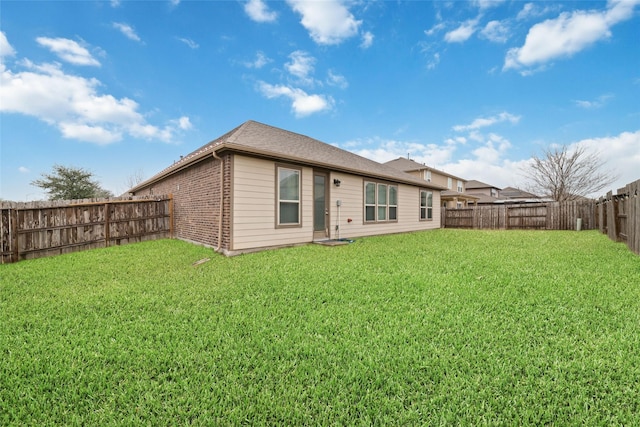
point(434, 328)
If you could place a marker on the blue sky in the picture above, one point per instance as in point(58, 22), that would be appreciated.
point(474, 88)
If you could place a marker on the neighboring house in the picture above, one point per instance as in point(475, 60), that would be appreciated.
point(259, 187)
point(489, 194)
point(515, 195)
point(454, 195)
point(486, 193)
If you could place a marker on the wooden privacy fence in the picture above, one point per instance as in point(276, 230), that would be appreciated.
point(619, 215)
point(40, 229)
point(517, 216)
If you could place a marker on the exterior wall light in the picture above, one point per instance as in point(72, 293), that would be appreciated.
point(336, 182)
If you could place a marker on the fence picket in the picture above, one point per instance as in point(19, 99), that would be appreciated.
point(37, 229)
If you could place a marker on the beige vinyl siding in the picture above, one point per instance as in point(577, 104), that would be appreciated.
point(254, 206)
point(351, 193)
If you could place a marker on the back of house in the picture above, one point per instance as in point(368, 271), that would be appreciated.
point(259, 187)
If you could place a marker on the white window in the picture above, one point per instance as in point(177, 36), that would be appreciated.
point(380, 202)
point(393, 203)
point(427, 176)
point(449, 183)
point(288, 196)
point(460, 187)
point(426, 205)
point(370, 201)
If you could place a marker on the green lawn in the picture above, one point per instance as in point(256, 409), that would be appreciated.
point(432, 328)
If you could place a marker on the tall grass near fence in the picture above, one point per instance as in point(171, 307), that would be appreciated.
point(433, 328)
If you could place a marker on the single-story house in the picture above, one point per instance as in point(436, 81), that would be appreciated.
point(259, 187)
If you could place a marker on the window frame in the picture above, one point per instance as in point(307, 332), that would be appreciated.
point(278, 200)
point(460, 186)
point(377, 204)
point(427, 208)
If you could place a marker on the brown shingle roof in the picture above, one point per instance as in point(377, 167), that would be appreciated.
point(473, 184)
point(263, 140)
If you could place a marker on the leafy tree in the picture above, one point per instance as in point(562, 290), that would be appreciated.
point(567, 175)
point(66, 183)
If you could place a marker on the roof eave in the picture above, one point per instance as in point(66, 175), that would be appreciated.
point(238, 148)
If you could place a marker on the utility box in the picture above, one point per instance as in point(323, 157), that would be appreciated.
point(579, 224)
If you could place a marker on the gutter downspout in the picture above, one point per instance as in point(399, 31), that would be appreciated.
point(215, 156)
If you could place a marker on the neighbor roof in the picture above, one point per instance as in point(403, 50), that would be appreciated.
point(516, 193)
point(472, 184)
point(408, 165)
point(267, 141)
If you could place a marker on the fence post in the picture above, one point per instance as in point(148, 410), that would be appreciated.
point(107, 233)
point(171, 215)
point(13, 235)
point(616, 216)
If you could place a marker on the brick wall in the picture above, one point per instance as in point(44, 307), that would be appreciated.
point(196, 200)
point(227, 160)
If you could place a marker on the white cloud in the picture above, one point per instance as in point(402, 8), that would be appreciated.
point(127, 30)
point(533, 10)
point(302, 103)
point(567, 34)
point(482, 122)
point(184, 123)
point(503, 173)
point(436, 28)
point(5, 47)
point(597, 103)
point(619, 153)
point(336, 80)
point(486, 4)
point(328, 22)
point(259, 12)
point(496, 31)
point(434, 61)
point(367, 40)
point(189, 42)
point(385, 150)
point(68, 50)
point(89, 133)
point(493, 150)
point(260, 61)
point(74, 105)
point(23, 169)
point(301, 66)
point(463, 32)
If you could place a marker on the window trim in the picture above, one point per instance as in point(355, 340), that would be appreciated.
point(390, 206)
point(376, 205)
point(298, 170)
point(428, 210)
